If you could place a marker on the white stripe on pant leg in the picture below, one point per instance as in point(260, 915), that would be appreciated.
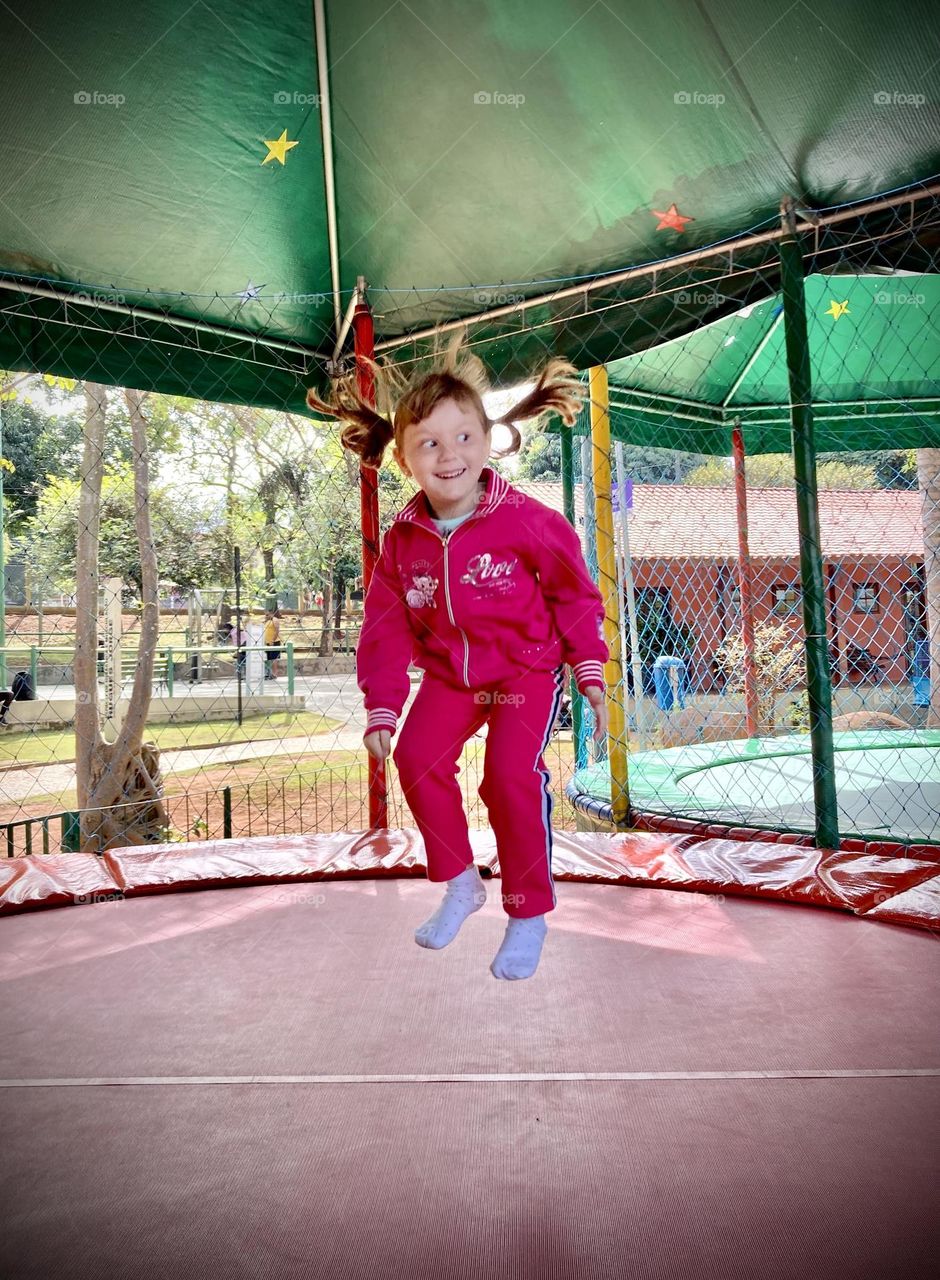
point(547, 777)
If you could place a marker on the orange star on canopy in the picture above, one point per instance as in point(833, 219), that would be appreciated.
point(672, 219)
point(277, 148)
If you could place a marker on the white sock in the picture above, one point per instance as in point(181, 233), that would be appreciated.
point(464, 895)
point(519, 955)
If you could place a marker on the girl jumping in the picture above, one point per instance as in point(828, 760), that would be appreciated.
point(486, 589)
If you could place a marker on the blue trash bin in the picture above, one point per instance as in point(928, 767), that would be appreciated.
point(671, 682)
point(920, 674)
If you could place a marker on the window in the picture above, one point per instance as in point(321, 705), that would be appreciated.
point(786, 597)
point(864, 597)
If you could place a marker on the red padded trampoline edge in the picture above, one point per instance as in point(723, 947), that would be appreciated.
point(881, 882)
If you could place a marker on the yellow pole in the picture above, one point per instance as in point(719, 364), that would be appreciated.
point(607, 575)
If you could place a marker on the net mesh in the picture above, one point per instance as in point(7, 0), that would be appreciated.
point(245, 718)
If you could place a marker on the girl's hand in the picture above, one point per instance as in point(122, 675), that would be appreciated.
point(598, 700)
point(378, 743)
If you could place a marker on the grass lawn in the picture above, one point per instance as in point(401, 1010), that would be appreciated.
point(339, 768)
point(57, 746)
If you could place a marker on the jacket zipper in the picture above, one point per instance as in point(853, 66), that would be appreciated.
point(444, 537)
point(450, 612)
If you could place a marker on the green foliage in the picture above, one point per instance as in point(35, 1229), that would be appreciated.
point(37, 445)
point(189, 537)
point(779, 668)
point(540, 459)
point(775, 471)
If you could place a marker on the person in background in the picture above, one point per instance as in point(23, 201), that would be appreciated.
point(272, 638)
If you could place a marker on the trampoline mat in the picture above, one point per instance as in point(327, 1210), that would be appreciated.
point(690, 1085)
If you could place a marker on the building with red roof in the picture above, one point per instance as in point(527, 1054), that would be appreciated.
point(684, 548)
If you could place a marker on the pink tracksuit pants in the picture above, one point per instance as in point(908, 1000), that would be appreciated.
point(514, 787)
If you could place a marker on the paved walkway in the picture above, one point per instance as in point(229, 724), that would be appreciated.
point(337, 696)
point(51, 779)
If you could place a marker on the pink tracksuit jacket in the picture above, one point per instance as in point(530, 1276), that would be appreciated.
point(504, 593)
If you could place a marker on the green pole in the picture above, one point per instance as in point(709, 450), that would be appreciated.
point(567, 490)
point(3, 572)
point(169, 673)
point(818, 678)
point(290, 668)
point(34, 667)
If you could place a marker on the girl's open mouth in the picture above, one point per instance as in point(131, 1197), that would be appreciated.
point(449, 475)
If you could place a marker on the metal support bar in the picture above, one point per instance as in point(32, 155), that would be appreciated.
point(819, 683)
point(610, 590)
point(567, 491)
point(364, 341)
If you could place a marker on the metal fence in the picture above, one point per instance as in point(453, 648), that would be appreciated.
point(770, 556)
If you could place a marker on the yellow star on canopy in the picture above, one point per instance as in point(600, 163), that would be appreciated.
point(837, 309)
point(277, 148)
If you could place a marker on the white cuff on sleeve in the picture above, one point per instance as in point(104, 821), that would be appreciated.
point(588, 673)
point(381, 718)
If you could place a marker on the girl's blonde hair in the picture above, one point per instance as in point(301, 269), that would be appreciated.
point(455, 374)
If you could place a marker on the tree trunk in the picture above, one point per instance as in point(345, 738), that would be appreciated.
point(340, 602)
point(230, 467)
point(120, 791)
point(88, 740)
point(270, 598)
point(326, 630)
point(928, 475)
point(269, 506)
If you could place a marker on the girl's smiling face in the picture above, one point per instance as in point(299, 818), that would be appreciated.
point(445, 454)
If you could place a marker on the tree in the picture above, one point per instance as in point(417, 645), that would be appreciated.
point(775, 471)
point(780, 665)
point(189, 537)
point(118, 785)
point(540, 459)
point(37, 446)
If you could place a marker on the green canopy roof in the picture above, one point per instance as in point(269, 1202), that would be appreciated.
point(874, 344)
point(479, 153)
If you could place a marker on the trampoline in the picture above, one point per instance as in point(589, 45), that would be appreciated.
point(264, 1076)
point(887, 783)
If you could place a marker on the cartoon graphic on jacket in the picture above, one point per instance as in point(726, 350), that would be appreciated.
point(505, 592)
